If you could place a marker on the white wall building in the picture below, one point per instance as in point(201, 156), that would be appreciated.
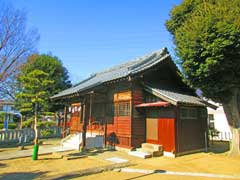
point(218, 118)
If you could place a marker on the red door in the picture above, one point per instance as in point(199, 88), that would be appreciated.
point(161, 131)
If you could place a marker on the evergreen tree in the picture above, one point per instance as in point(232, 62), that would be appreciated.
point(207, 38)
point(33, 97)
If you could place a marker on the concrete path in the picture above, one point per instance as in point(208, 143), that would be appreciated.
point(28, 153)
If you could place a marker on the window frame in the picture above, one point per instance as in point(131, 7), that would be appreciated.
point(189, 113)
point(125, 110)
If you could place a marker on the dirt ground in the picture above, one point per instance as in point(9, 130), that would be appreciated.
point(43, 142)
point(51, 166)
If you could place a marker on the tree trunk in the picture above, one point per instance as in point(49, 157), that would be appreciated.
point(232, 111)
point(35, 148)
point(35, 126)
point(235, 145)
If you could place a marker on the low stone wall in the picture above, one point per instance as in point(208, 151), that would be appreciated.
point(28, 134)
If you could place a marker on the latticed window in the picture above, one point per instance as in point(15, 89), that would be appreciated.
point(188, 113)
point(156, 112)
point(122, 109)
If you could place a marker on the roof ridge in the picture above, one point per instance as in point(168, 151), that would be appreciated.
point(133, 62)
point(84, 80)
point(119, 71)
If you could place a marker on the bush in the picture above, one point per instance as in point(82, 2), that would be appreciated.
point(28, 123)
point(46, 132)
point(10, 126)
point(1, 117)
point(46, 124)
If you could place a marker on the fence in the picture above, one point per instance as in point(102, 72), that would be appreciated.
point(28, 134)
point(220, 136)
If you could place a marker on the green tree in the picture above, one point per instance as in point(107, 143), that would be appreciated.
point(207, 38)
point(33, 96)
point(57, 73)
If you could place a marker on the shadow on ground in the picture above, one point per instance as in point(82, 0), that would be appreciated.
point(2, 165)
point(144, 175)
point(21, 175)
point(218, 147)
point(91, 152)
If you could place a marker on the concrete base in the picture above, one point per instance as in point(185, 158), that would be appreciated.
point(122, 149)
point(169, 154)
point(143, 155)
point(191, 152)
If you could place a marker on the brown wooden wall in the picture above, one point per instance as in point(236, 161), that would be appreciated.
point(75, 121)
point(119, 127)
point(191, 132)
point(138, 117)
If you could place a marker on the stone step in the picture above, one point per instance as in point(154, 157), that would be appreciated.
point(154, 147)
point(150, 151)
point(143, 155)
point(70, 145)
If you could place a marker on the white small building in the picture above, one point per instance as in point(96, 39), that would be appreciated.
point(218, 120)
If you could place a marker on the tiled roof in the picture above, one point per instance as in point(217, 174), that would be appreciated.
point(174, 95)
point(117, 72)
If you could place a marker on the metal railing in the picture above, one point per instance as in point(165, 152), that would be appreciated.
point(220, 136)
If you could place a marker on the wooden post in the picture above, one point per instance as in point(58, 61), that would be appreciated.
point(105, 133)
point(206, 141)
point(105, 124)
point(84, 127)
point(90, 113)
point(21, 121)
point(65, 120)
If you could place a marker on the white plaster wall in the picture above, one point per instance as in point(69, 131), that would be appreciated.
point(220, 120)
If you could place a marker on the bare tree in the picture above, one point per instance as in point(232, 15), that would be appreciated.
point(8, 87)
point(16, 42)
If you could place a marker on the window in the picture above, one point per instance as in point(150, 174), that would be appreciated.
point(75, 110)
point(158, 112)
point(122, 109)
point(188, 113)
point(202, 113)
point(211, 121)
point(210, 117)
point(151, 98)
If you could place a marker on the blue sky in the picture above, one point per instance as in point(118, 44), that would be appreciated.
point(91, 35)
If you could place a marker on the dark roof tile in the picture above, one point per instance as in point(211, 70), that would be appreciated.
point(117, 72)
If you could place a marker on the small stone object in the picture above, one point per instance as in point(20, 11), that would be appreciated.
point(74, 157)
point(21, 147)
point(117, 170)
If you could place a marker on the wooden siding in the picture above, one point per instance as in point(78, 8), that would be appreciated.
point(75, 120)
point(138, 117)
point(191, 132)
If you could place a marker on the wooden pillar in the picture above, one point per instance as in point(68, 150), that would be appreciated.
point(90, 112)
point(104, 123)
point(84, 127)
point(65, 121)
